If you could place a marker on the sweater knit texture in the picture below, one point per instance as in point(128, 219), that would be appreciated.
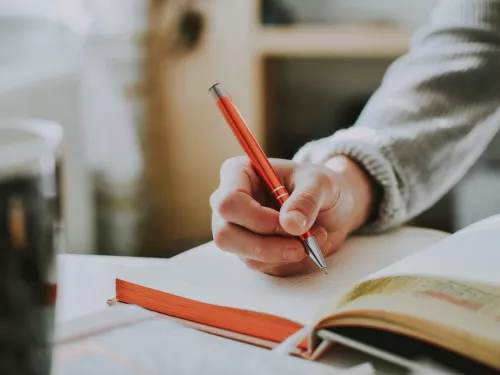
point(434, 114)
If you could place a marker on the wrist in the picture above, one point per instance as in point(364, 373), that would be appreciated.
point(359, 184)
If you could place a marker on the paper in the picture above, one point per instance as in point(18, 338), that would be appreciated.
point(491, 222)
point(363, 369)
point(159, 346)
point(210, 275)
point(472, 256)
point(289, 345)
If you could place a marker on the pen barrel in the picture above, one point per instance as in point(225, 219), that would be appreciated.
point(249, 143)
point(305, 236)
point(280, 194)
point(252, 148)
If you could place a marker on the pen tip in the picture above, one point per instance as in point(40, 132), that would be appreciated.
point(324, 270)
point(211, 87)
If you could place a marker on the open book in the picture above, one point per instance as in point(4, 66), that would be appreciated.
point(410, 284)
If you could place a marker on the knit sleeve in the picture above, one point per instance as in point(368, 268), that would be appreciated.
point(437, 109)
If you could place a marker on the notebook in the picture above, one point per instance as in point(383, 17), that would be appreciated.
point(415, 284)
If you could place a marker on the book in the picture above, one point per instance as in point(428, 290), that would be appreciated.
point(435, 288)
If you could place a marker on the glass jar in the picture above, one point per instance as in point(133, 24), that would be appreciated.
point(28, 150)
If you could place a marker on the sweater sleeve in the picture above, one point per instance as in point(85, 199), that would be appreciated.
point(436, 111)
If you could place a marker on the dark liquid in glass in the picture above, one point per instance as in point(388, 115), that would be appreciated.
point(26, 256)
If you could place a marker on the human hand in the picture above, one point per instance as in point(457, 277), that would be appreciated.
point(331, 200)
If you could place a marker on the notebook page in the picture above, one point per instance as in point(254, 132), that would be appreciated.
point(491, 222)
point(210, 275)
point(472, 254)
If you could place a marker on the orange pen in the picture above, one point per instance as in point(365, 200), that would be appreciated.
point(261, 164)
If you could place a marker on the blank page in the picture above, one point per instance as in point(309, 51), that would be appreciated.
point(469, 255)
point(210, 275)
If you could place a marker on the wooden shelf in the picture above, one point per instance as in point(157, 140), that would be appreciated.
point(332, 41)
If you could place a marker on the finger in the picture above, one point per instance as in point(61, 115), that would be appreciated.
point(234, 200)
point(334, 242)
point(301, 209)
point(287, 268)
point(267, 249)
point(239, 208)
point(282, 269)
point(276, 269)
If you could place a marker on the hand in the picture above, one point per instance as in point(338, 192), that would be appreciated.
point(333, 200)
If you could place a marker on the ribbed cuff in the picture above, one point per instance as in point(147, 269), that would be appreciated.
point(392, 208)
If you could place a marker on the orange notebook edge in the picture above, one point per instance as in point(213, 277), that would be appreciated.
point(251, 327)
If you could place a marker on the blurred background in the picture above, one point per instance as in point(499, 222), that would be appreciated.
point(128, 81)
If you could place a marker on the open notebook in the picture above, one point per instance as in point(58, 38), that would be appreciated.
point(415, 283)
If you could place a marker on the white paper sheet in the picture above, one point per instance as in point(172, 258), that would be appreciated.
point(469, 255)
point(210, 275)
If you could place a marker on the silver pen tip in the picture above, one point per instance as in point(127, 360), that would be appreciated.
point(324, 270)
point(315, 253)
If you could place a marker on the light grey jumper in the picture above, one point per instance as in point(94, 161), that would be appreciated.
point(436, 111)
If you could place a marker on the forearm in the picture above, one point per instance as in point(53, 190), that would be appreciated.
point(434, 114)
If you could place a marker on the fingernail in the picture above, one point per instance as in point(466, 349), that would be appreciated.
point(299, 218)
point(291, 255)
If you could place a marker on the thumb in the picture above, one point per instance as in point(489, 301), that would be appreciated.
point(299, 212)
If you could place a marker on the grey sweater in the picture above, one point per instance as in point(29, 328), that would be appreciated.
point(436, 111)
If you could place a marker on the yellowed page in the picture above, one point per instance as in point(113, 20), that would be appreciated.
point(210, 275)
point(453, 284)
point(461, 316)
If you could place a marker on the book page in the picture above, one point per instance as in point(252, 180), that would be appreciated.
point(448, 293)
point(209, 275)
point(470, 255)
point(461, 316)
point(487, 223)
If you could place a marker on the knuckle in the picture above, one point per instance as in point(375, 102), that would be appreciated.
point(226, 205)
point(336, 197)
point(306, 200)
point(229, 165)
point(258, 252)
point(323, 180)
point(221, 234)
point(278, 229)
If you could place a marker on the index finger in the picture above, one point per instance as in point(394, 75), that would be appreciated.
point(235, 201)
